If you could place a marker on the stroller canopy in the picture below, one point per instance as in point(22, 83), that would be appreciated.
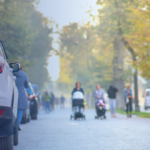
point(78, 95)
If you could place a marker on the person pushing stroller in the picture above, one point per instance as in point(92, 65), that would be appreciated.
point(77, 89)
point(100, 106)
point(78, 102)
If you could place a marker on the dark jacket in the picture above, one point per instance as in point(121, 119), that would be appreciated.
point(62, 99)
point(75, 90)
point(22, 83)
point(52, 98)
point(112, 92)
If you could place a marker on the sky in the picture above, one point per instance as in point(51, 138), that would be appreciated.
point(64, 12)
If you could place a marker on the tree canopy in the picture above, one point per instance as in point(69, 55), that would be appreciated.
point(26, 36)
point(81, 59)
point(88, 53)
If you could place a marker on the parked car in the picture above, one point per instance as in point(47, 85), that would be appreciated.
point(35, 88)
point(147, 99)
point(8, 102)
point(33, 103)
point(26, 114)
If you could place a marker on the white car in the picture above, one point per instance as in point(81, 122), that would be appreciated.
point(8, 102)
point(147, 99)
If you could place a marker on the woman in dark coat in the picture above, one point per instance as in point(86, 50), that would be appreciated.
point(21, 83)
point(78, 88)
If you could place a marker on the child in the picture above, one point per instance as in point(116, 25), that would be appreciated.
point(101, 103)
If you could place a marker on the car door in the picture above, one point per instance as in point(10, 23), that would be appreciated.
point(6, 86)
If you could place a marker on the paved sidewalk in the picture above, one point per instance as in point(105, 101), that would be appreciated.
point(55, 131)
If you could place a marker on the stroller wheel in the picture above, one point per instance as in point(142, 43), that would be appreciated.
point(104, 117)
point(96, 117)
point(70, 117)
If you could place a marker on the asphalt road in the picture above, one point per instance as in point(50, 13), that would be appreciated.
point(55, 131)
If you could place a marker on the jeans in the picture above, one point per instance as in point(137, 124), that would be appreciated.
point(47, 106)
point(129, 106)
point(19, 116)
point(112, 106)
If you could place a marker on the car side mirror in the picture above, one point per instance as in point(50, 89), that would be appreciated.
point(14, 66)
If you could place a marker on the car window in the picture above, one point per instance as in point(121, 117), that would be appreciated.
point(3, 53)
point(1, 50)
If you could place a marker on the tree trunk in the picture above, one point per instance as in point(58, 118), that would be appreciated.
point(135, 76)
point(118, 81)
point(136, 91)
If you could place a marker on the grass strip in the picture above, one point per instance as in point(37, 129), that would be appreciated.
point(139, 114)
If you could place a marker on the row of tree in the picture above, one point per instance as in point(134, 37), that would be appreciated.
point(81, 59)
point(26, 36)
point(97, 54)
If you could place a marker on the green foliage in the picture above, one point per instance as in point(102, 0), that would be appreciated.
point(40, 48)
point(84, 60)
point(90, 50)
point(25, 34)
point(87, 53)
point(15, 29)
point(129, 19)
point(139, 114)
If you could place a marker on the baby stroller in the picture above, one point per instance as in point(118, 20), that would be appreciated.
point(78, 105)
point(100, 109)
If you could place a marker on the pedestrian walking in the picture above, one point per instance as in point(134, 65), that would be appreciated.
point(112, 99)
point(76, 89)
point(21, 83)
point(57, 101)
point(52, 101)
point(62, 100)
point(99, 95)
point(128, 99)
point(46, 98)
point(43, 101)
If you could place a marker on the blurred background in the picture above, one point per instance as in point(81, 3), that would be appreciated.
point(92, 41)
